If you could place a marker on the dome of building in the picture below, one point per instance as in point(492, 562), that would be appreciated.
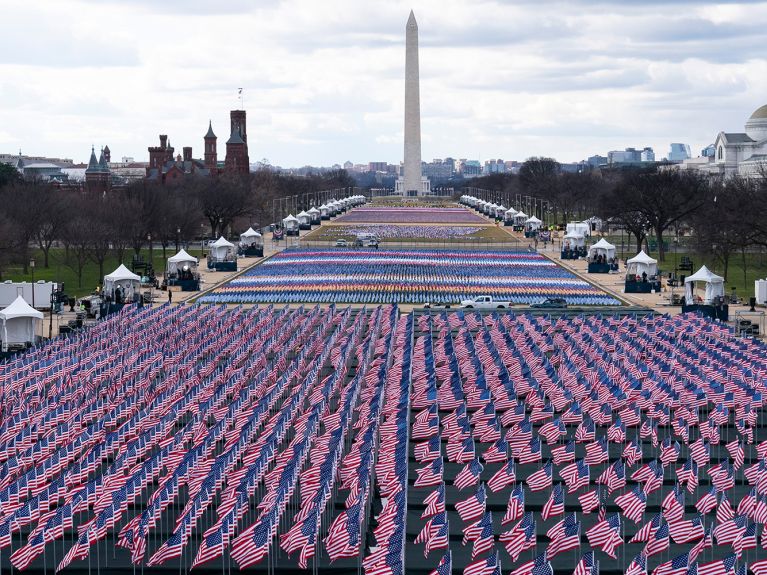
point(756, 127)
point(760, 114)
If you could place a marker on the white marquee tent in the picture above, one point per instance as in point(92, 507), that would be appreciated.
point(602, 248)
point(128, 282)
point(714, 285)
point(250, 237)
point(221, 249)
point(18, 323)
point(574, 240)
point(181, 259)
point(290, 223)
point(642, 263)
point(532, 223)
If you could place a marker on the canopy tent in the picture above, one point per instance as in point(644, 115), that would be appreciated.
point(324, 212)
point(642, 264)
point(574, 240)
point(221, 250)
point(180, 260)
point(582, 228)
point(520, 218)
point(314, 215)
point(290, 223)
point(18, 323)
point(250, 237)
point(128, 282)
point(510, 213)
point(304, 218)
point(500, 211)
point(532, 223)
point(714, 285)
point(602, 248)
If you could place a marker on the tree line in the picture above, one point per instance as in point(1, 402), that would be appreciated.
point(724, 218)
point(91, 227)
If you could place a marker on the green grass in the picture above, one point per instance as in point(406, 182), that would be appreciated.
point(58, 271)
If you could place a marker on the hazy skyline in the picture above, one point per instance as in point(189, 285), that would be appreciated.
point(324, 81)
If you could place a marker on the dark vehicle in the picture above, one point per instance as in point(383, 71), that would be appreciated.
point(551, 303)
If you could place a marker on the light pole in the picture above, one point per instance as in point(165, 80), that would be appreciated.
point(149, 240)
point(50, 324)
point(32, 267)
point(178, 236)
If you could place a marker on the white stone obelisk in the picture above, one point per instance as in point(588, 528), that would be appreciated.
point(412, 182)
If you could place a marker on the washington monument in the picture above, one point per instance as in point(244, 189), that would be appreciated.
point(412, 183)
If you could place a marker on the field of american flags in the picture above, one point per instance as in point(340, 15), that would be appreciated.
point(281, 439)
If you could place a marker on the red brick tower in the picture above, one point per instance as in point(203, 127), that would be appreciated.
point(211, 156)
point(237, 161)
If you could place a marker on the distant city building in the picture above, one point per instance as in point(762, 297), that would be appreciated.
point(630, 156)
point(679, 153)
point(12, 160)
point(98, 178)
point(436, 170)
point(596, 161)
point(494, 167)
point(736, 153)
point(348, 165)
point(377, 166)
point(469, 168)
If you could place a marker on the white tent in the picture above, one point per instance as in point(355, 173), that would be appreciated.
point(314, 214)
point(642, 263)
point(500, 211)
point(181, 259)
point(574, 240)
point(582, 228)
point(520, 218)
point(532, 223)
point(18, 323)
point(324, 211)
point(510, 213)
point(220, 249)
point(602, 248)
point(304, 218)
point(250, 237)
point(290, 223)
point(128, 282)
point(714, 285)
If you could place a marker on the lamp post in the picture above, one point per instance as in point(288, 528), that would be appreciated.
point(149, 240)
point(178, 236)
point(32, 267)
point(50, 324)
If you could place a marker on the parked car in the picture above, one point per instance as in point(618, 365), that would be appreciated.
point(484, 302)
point(551, 303)
point(341, 243)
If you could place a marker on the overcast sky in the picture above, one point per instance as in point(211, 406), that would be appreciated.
point(323, 80)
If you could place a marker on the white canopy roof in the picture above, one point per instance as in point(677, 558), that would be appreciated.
point(20, 308)
point(301, 214)
point(533, 220)
point(640, 264)
point(222, 243)
point(511, 212)
point(17, 323)
point(250, 233)
point(704, 275)
point(323, 207)
point(642, 258)
point(501, 208)
point(521, 215)
point(313, 211)
point(181, 257)
point(603, 244)
point(120, 274)
point(714, 285)
point(290, 218)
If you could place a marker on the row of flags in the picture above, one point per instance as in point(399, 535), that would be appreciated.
point(293, 429)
